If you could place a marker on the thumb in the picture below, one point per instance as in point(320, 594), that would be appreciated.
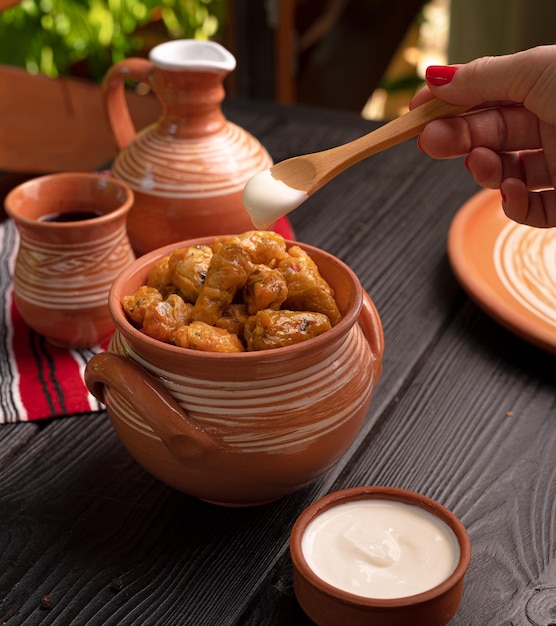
point(527, 78)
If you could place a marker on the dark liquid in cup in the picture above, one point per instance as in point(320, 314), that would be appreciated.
point(70, 216)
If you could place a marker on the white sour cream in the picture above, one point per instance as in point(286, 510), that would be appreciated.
point(266, 199)
point(380, 548)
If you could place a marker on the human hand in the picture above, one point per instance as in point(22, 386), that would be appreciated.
point(510, 134)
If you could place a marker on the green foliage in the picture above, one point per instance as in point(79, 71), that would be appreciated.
point(52, 36)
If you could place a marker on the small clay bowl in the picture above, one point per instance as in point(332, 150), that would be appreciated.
point(328, 605)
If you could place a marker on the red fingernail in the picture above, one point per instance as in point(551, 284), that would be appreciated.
point(466, 163)
point(419, 143)
point(438, 75)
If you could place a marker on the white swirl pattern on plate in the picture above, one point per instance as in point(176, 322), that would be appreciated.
point(525, 261)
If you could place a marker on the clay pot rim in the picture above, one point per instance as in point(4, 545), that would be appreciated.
point(92, 177)
point(386, 493)
point(127, 328)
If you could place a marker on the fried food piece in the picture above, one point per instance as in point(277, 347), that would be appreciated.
point(228, 270)
point(159, 276)
point(136, 305)
point(265, 288)
point(201, 336)
point(233, 319)
point(307, 289)
point(274, 329)
point(163, 318)
point(187, 269)
point(263, 246)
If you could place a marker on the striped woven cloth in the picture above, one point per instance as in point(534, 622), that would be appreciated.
point(37, 380)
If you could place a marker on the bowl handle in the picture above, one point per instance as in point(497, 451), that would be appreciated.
point(115, 103)
point(181, 434)
point(371, 325)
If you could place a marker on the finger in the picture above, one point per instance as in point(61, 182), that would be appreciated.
point(548, 138)
point(423, 95)
point(533, 208)
point(486, 167)
point(502, 129)
point(527, 77)
point(489, 168)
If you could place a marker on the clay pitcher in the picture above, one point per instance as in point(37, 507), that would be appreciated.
point(188, 169)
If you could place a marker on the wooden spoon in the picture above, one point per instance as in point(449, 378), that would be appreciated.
point(275, 192)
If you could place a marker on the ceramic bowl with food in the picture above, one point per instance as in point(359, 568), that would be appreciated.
point(244, 427)
point(381, 556)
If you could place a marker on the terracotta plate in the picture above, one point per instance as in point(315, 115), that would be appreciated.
point(507, 268)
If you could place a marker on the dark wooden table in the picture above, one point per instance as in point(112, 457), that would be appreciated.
point(465, 413)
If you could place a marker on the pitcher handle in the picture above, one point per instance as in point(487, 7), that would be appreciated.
point(113, 93)
point(181, 434)
point(370, 323)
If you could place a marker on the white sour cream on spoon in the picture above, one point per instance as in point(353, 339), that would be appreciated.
point(267, 199)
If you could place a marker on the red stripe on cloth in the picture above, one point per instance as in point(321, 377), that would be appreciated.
point(284, 228)
point(31, 391)
point(69, 373)
point(50, 381)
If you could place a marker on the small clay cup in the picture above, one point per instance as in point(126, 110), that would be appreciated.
point(244, 428)
point(65, 267)
point(327, 605)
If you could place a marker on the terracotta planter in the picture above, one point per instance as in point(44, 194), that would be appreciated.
point(244, 428)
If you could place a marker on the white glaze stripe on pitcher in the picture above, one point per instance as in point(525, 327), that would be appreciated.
point(190, 177)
